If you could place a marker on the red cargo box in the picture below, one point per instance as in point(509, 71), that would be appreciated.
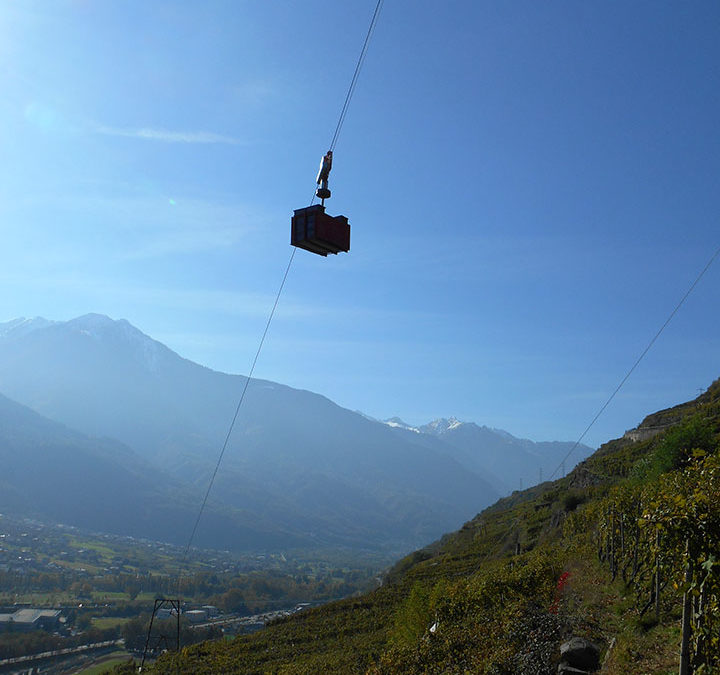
point(316, 231)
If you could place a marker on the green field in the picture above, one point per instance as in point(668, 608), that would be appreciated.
point(104, 622)
point(105, 551)
point(78, 566)
point(99, 596)
point(49, 599)
point(112, 660)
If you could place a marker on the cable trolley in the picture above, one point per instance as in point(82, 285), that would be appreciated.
point(312, 228)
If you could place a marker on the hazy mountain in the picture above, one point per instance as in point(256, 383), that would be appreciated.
point(397, 423)
point(297, 463)
point(506, 461)
point(54, 473)
point(499, 453)
point(22, 326)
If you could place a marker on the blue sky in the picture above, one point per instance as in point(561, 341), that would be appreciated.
point(532, 187)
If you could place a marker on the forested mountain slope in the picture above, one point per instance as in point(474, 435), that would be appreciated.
point(611, 553)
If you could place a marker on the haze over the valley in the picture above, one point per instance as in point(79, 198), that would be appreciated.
point(107, 428)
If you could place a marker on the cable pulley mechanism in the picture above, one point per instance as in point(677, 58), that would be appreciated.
point(322, 178)
point(314, 230)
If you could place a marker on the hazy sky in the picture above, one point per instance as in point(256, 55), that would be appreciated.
point(532, 187)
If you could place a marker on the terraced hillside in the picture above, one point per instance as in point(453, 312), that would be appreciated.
point(622, 552)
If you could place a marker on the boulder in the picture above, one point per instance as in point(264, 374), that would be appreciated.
point(581, 654)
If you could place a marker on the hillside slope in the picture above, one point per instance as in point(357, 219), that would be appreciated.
point(582, 556)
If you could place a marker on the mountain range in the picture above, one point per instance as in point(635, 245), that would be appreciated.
point(508, 462)
point(101, 425)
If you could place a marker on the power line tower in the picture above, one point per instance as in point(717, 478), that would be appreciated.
point(154, 644)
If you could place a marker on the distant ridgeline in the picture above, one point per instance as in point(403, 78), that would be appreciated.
point(105, 428)
point(622, 552)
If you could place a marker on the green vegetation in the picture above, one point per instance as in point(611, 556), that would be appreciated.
point(105, 622)
point(105, 585)
point(105, 551)
point(623, 551)
point(114, 659)
point(14, 644)
point(663, 539)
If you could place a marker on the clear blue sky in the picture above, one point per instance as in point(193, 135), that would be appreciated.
point(532, 187)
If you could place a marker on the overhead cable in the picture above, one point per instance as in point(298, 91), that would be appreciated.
point(338, 127)
point(356, 74)
point(638, 360)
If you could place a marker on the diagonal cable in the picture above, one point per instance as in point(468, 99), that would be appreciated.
point(639, 359)
point(239, 405)
point(343, 113)
point(356, 74)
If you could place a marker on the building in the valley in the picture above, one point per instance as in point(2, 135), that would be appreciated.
point(196, 615)
point(26, 620)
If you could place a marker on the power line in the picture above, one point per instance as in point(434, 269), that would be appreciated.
point(561, 466)
point(338, 127)
point(639, 359)
point(240, 402)
point(356, 74)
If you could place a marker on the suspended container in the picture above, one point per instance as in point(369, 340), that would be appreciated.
point(317, 232)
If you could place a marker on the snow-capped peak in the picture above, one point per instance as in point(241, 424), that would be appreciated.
point(95, 324)
point(397, 423)
point(442, 425)
point(22, 326)
point(99, 326)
